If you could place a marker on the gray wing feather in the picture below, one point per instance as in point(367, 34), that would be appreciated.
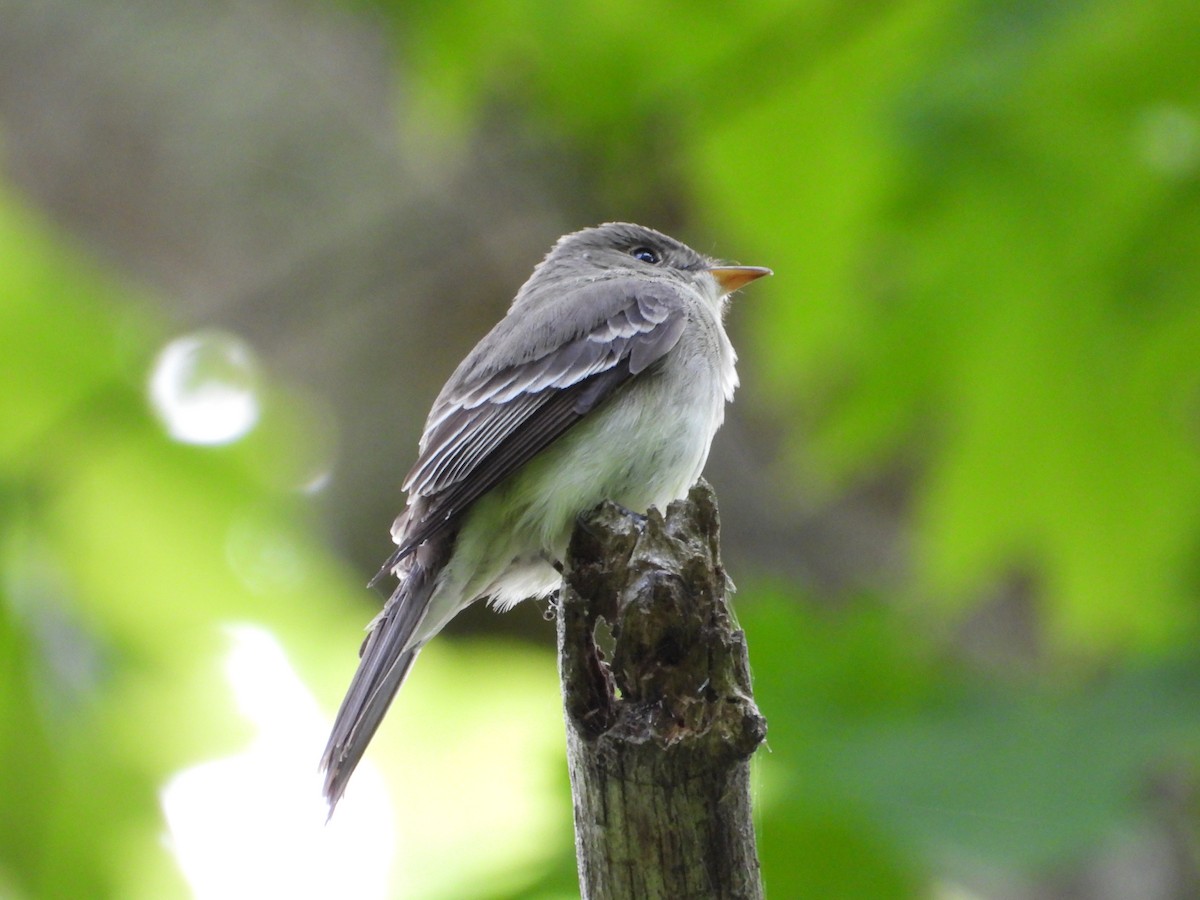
point(508, 401)
point(490, 420)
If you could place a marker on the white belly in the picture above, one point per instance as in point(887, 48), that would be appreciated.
point(645, 446)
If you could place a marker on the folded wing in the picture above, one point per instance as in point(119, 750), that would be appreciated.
point(485, 428)
point(487, 423)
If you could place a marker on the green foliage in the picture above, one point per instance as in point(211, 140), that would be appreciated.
point(71, 790)
point(126, 557)
point(983, 218)
point(985, 225)
point(991, 219)
point(890, 753)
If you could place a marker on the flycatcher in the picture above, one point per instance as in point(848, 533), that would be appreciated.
point(606, 380)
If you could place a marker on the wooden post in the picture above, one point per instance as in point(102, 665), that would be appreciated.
point(659, 741)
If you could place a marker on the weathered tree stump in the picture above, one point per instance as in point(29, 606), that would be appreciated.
point(659, 741)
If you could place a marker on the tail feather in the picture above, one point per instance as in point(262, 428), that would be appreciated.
point(387, 654)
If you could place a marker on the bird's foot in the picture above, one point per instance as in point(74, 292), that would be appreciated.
point(639, 518)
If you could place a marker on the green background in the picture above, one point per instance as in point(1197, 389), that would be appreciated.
point(961, 478)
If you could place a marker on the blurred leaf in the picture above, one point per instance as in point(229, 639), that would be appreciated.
point(475, 751)
point(986, 232)
point(123, 554)
point(75, 802)
point(872, 728)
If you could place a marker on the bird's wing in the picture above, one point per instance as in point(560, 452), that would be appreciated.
point(490, 421)
point(491, 418)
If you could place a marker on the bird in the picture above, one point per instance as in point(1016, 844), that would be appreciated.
point(606, 380)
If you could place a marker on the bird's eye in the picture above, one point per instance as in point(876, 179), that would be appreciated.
point(645, 254)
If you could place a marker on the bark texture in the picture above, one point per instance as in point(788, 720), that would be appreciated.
point(659, 740)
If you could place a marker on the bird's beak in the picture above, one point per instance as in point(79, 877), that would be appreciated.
point(730, 278)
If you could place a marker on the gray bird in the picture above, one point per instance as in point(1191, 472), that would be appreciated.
point(606, 380)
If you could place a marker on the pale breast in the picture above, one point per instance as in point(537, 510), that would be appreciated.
point(644, 447)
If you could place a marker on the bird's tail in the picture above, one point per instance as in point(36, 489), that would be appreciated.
point(386, 656)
